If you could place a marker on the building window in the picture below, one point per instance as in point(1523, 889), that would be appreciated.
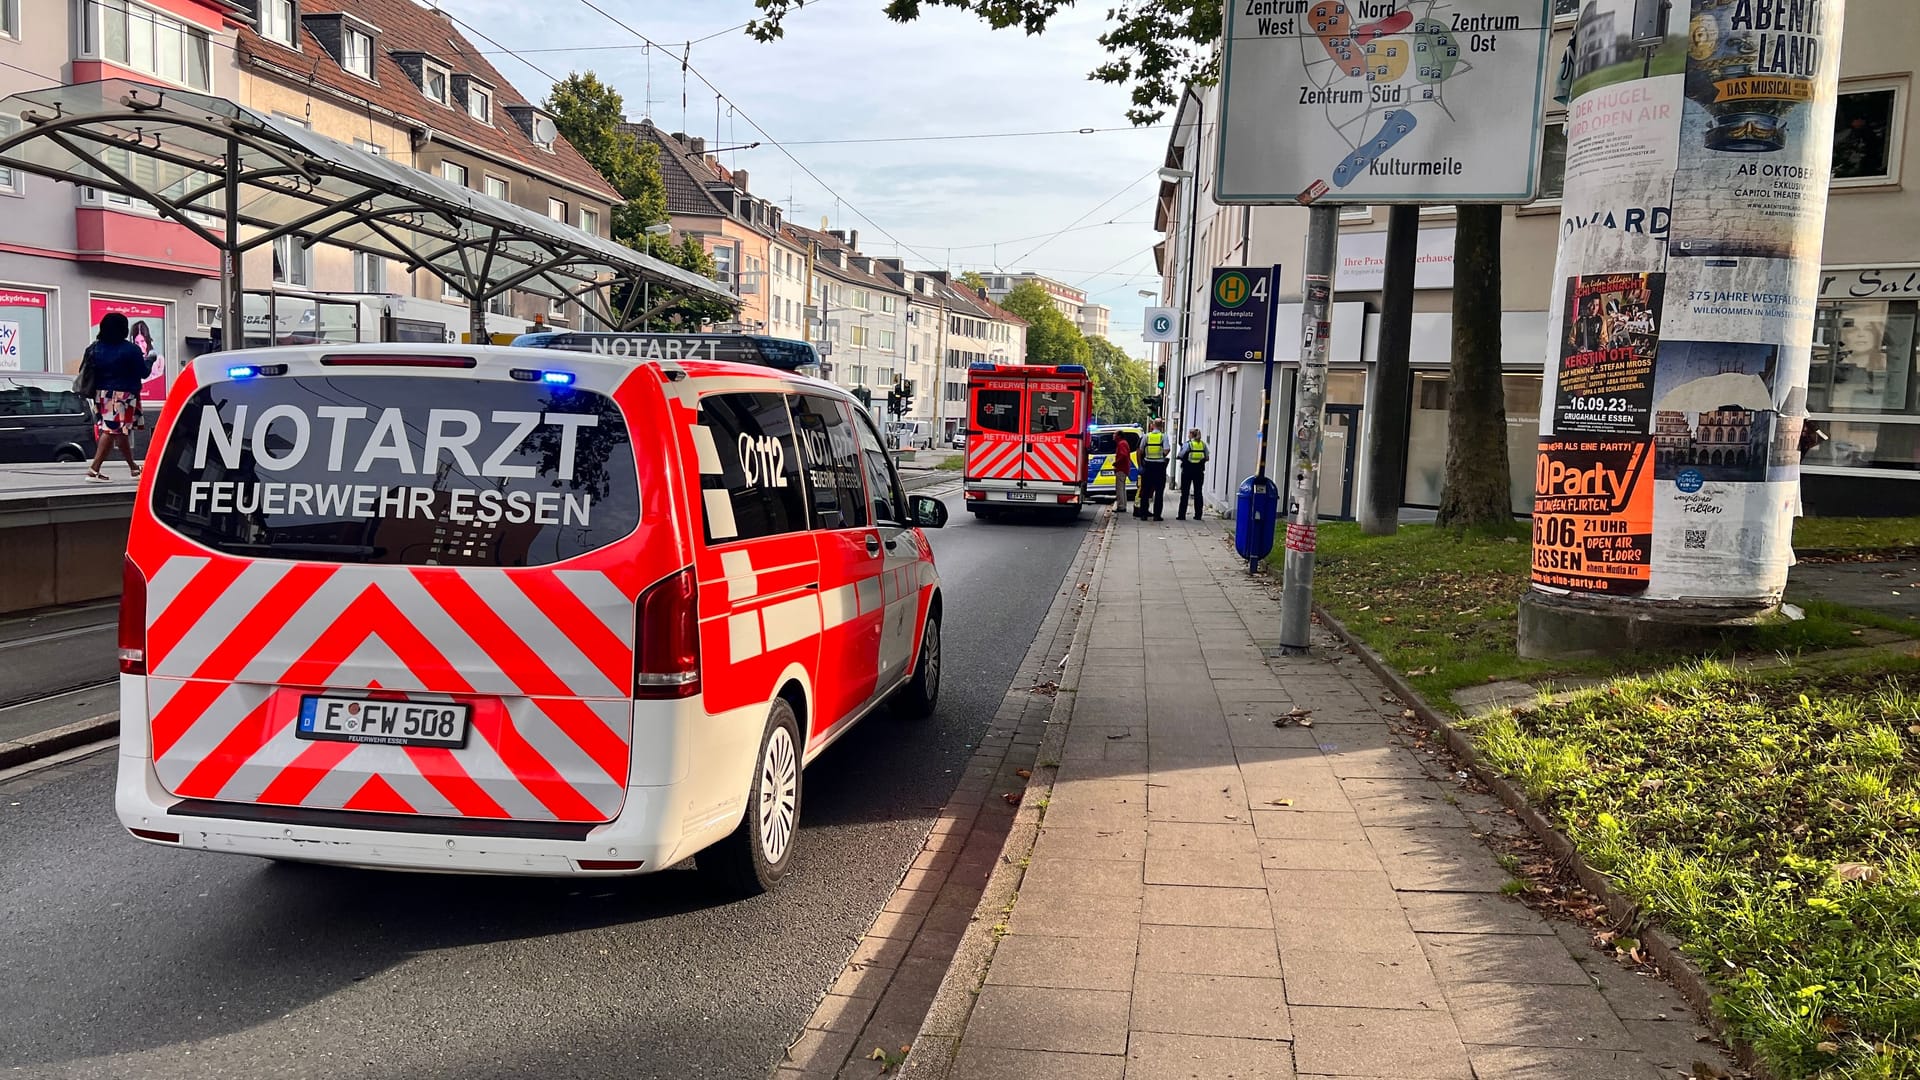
point(453, 172)
point(480, 105)
point(23, 328)
point(590, 221)
point(370, 148)
point(292, 262)
point(500, 304)
point(277, 21)
point(723, 264)
point(557, 210)
point(1867, 134)
point(1553, 161)
point(434, 80)
point(356, 53)
point(859, 337)
point(495, 187)
point(369, 273)
point(10, 18)
point(9, 180)
point(886, 304)
point(149, 42)
point(883, 339)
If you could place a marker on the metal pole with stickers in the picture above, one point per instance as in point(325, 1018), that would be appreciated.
point(1420, 103)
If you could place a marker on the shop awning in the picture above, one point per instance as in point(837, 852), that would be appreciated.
point(240, 179)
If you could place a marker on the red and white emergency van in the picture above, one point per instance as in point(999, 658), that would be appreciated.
point(1026, 437)
point(509, 610)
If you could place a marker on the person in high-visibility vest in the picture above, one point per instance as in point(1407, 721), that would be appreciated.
point(1193, 475)
point(1156, 450)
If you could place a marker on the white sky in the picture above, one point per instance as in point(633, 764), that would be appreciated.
point(844, 71)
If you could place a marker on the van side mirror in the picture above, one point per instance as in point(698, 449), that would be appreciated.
point(927, 512)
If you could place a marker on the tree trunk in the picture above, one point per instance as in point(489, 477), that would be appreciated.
point(1477, 491)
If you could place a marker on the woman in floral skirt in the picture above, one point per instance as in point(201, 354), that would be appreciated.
point(118, 369)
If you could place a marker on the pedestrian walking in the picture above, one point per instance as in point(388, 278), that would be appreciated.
point(113, 368)
point(1122, 471)
point(1156, 452)
point(1193, 475)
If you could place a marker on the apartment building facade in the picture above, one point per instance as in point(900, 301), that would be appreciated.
point(951, 326)
point(399, 80)
point(1865, 388)
point(712, 203)
point(70, 255)
point(858, 315)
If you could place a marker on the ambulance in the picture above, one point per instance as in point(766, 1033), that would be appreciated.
point(1102, 466)
point(1027, 439)
point(515, 611)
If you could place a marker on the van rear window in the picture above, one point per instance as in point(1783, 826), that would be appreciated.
point(403, 470)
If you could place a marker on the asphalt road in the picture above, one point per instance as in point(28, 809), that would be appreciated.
point(129, 960)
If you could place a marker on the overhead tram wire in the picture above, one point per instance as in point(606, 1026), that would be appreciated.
point(687, 66)
point(1096, 209)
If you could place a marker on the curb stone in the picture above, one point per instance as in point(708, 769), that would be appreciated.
point(938, 1043)
point(1685, 975)
point(54, 740)
point(826, 1045)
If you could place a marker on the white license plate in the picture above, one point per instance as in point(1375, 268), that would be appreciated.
point(387, 723)
point(1020, 496)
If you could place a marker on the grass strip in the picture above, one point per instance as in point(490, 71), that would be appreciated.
point(1771, 819)
point(1442, 606)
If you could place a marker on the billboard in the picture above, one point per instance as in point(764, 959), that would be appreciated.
point(1353, 101)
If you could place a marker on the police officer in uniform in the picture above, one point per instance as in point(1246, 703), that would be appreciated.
point(1193, 475)
point(1156, 450)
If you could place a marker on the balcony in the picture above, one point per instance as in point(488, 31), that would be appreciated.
point(117, 236)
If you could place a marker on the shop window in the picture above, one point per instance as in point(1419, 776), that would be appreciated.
point(23, 329)
point(1427, 437)
point(1848, 444)
point(1864, 359)
point(1867, 134)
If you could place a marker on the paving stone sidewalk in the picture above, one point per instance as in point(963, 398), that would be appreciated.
point(1213, 896)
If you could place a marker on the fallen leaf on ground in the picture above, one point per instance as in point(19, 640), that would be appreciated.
point(1853, 871)
point(1012, 797)
point(1024, 774)
point(1279, 802)
point(1827, 1047)
point(1422, 671)
point(1120, 734)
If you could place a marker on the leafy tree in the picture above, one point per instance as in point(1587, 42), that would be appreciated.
point(588, 113)
point(1157, 46)
point(973, 278)
point(1120, 383)
point(1476, 490)
point(1051, 337)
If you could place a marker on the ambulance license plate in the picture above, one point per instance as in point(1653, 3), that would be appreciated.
point(385, 723)
point(1020, 496)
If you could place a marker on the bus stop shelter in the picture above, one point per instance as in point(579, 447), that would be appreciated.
point(240, 180)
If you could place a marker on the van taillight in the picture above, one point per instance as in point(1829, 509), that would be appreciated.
point(666, 639)
point(133, 619)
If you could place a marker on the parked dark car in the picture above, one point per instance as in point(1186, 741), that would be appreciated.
point(42, 419)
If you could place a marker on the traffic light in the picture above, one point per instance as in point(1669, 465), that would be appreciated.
point(865, 395)
point(893, 403)
point(1161, 382)
point(1152, 402)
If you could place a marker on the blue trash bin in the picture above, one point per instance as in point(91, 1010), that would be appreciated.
point(1254, 522)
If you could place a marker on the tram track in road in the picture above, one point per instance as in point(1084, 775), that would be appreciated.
point(58, 679)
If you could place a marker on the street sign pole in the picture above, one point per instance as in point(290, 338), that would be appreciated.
point(1266, 385)
point(1310, 401)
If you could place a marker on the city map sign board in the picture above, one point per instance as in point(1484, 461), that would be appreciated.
point(1383, 101)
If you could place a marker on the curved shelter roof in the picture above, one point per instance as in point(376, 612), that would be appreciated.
point(240, 179)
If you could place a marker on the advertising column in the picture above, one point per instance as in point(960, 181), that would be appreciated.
point(1699, 146)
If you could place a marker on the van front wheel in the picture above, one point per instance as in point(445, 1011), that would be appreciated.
point(757, 854)
point(917, 699)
